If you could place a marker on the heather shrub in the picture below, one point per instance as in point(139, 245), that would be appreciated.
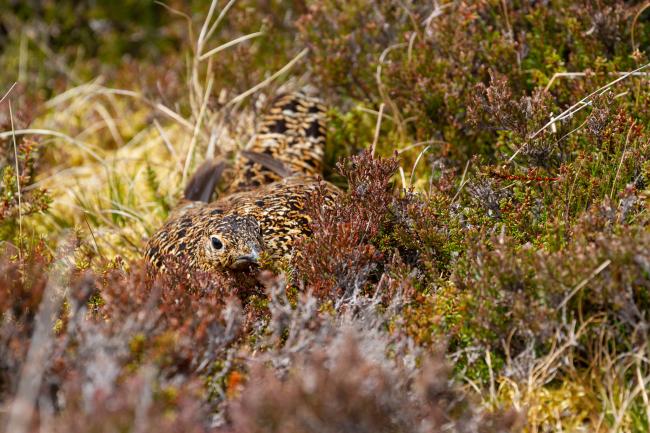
point(342, 390)
point(19, 162)
point(341, 253)
point(114, 334)
point(529, 290)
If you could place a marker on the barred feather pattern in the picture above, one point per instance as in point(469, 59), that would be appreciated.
point(292, 132)
point(269, 219)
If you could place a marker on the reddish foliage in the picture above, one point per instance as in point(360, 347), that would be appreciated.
point(340, 255)
point(342, 390)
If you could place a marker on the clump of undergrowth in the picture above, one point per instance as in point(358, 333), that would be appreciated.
point(370, 228)
point(20, 198)
point(115, 346)
point(427, 60)
point(342, 252)
point(341, 389)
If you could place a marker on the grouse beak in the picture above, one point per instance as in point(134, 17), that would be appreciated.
point(247, 261)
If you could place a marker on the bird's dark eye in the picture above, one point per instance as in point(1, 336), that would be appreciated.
point(216, 243)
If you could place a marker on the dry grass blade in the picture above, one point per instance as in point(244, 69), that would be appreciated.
point(18, 189)
point(572, 75)
point(415, 164)
point(197, 128)
point(204, 28)
point(377, 129)
point(584, 102)
point(641, 380)
point(583, 283)
point(8, 92)
point(47, 132)
point(110, 123)
point(168, 144)
point(269, 80)
point(229, 44)
point(623, 154)
point(382, 88)
point(462, 182)
point(220, 18)
point(158, 106)
point(374, 112)
point(403, 178)
point(635, 20)
point(578, 106)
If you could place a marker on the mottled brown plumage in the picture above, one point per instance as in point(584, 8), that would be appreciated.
point(265, 210)
point(232, 232)
point(291, 133)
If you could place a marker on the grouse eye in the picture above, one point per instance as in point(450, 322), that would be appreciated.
point(216, 243)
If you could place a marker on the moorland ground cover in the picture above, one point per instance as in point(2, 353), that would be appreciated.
point(487, 269)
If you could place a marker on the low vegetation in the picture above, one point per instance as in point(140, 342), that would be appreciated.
point(486, 270)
